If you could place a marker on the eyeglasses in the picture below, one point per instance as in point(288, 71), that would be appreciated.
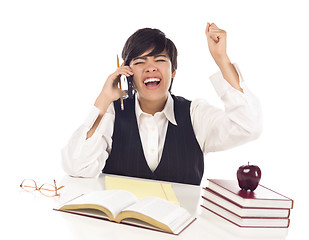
point(46, 189)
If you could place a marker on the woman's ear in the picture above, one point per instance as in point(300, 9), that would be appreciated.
point(174, 74)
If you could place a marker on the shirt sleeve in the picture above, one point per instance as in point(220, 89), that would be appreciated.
point(83, 157)
point(239, 122)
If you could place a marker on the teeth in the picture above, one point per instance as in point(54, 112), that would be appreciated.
point(152, 80)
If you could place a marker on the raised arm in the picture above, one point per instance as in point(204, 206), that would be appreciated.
point(110, 92)
point(216, 38)
point(89, 147)
point(240, 121)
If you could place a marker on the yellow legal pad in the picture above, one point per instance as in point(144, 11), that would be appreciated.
point(142, 189)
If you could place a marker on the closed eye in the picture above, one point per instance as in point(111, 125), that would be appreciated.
point(137, 63)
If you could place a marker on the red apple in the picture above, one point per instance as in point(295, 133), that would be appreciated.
point(248, 177)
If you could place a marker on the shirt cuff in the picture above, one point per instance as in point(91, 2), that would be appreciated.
point(220, 85)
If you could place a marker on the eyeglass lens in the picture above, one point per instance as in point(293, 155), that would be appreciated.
point(28, 185)
point(48, 190)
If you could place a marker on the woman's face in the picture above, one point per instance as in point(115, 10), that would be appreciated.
point(152, 76)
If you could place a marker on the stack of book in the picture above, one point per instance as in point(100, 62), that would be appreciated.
point(261, 208)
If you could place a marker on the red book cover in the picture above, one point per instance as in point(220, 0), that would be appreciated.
point(261, 197)
point(241, 211)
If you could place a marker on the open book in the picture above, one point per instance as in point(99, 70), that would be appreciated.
point(123, 207)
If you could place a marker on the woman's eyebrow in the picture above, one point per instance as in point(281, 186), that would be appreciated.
point(160, 55)
point(142, 58)
point(145, 57)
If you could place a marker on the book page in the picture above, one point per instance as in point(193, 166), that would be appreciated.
point(113, 200)
point(142, 188)
point(162, 211)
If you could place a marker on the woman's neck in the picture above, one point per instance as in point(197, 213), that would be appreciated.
point(152, 106)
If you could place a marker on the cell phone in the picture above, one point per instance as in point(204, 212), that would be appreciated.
point(130, 87)
point(130, 83)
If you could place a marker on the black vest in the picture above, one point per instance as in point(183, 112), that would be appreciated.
point(182, 159)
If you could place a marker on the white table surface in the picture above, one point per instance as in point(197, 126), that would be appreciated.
point(32, 217)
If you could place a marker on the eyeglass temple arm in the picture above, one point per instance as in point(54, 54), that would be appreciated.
point(56, 185)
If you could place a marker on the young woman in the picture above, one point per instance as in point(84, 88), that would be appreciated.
point(158, 135)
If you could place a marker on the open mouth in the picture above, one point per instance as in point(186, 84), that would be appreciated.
point(152, 82)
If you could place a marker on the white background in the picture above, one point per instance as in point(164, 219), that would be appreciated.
point(56, 55)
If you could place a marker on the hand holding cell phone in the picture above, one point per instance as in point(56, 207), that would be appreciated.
point(110, 91)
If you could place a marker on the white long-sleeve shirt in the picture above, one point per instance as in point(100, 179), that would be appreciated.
point(215, 129)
